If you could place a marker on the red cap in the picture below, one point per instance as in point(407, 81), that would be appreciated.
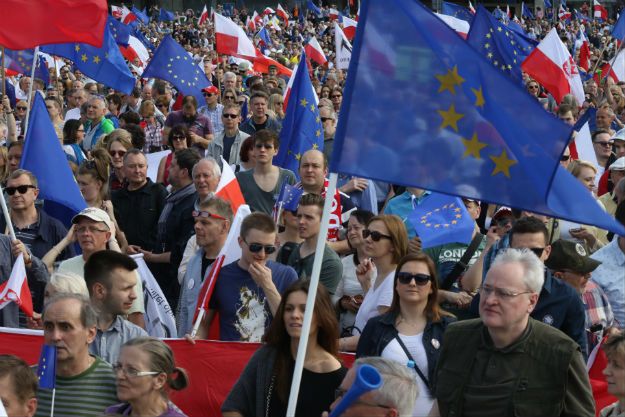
point(212, 89)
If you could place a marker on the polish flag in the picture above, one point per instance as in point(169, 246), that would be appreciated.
point(283, 14)
point(584, 51)
point(262, 62)
point(564, 14)
point(508, 12)
point(349, 27)
point(231, 39)
point(616, 69)
point(203, 17)
point(268, 11)
point(552, 66)
point(460, 26)
point(16, 290)
point(313, 51)
point(127, 16)
point(258, 19)
point(600, 11)
point(250, 25)
point(289, 85)
point(584, 149)
point(333, 14)
point(116, 11)
point(228, 187)
point(471, 8)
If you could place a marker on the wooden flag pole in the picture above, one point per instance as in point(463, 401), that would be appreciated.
point(4, 87)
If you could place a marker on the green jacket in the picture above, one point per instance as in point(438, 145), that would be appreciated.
point(550, 378)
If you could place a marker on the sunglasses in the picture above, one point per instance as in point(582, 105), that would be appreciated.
point(208, 94)
point(335, 96)
point(375, 235)
point(604, 144)
point(230, 116)
point(565, 158)
point(160, 106)
point(257, 247)
point(21, 108)
point(264, 145)
point(206, 215)
point(22, 189)
point(325, 119)
point(179, 137)
point(419, 279)
point(117, 153)
point(537, 251)
point(229, 98)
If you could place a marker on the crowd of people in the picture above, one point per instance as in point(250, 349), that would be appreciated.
point(503, 325)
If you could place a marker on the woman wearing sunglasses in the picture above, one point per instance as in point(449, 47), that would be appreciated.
point(263, 387)
point(412, 330)
point(385, 243)
point(178, 138)
point(118, 142)
point(145, 372)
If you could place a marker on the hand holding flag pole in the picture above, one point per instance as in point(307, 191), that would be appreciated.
point(5, 211)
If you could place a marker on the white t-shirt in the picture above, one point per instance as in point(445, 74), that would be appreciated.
point(425, 404)
point(375, 297)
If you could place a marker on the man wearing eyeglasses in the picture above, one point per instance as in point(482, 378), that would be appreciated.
point(602, 145)
point(111, 279)
point(212, 109)
point(213, 219)
point(248, 291)
point(227, 143)
point(513, 363)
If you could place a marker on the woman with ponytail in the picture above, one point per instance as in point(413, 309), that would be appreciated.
point(145, 371)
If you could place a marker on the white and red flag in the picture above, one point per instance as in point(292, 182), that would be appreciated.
point(600, 11)
point(228, 187)
point(563, 14)
point(127, 16)
point(250, 24)
point(349, 27)
point(268, 11)
point(616, 68)
point(315, 52)
point(283, 14)
point(231, 39)
point(460, 26)
point(258, 19)
point(16, 290)
point(471, 8)
point(508, 12)
point(333, 14)
point(552, 65)
point(203, 17)
point(584, 51)
point(116, 11)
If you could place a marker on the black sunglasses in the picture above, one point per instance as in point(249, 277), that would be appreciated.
point(22, 189)
point(406, 278)
point(537, 251)
point(264, 145)
point(208, 94)
point(230, 115)
point(257, 247)
point(375, 235)
point(565, 158)
point(325, 119)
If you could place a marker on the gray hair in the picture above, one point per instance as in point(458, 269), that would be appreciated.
point(399, 388)
point(68, 282)
point(88, 316)
point(230, 75)
point(533, 267)
point(213, 161)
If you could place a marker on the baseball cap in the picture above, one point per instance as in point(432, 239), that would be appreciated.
point(95, 214)
point(212, 89)
point(618, 165)
point(566, 254)
point(620, 135)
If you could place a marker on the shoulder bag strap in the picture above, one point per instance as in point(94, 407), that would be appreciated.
point(462, 264)
point(411, 359)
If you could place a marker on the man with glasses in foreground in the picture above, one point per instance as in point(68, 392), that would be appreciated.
point(248, 291)
point(513, 363)
point(558, 305)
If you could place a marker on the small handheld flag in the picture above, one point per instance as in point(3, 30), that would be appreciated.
point(46, 369)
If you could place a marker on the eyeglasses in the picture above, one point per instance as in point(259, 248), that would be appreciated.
point(419, 279)
point(117, 153)
point(22, 189)
point(264, 145)
point(90, 229)
point(257, 247)
point(179, 137)
point(208, 94)
point(501, 293)
point(80, 130)
point(532, 87)
point(230, 116)
point(21, 108)
point(229, 98)
point(206, 215)
point(160, 106)
point(565, 158)
point(340, 392)
point(325, 119)
point(336, 96)
point(606, 144)
point(537, 251)
point(132, 373)
point(375, 235)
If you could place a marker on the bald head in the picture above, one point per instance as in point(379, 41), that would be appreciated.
point(313, 168)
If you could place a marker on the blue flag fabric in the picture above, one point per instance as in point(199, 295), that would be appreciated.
point(264, 36)
point(141, 15)
point(548, 4)
point(618, 32)
point(581, 16)
point(143, 39)
point(526, 12)
point(105, 65)
point(10, 91)
point(45, 158)
point(499, 14)
point(165, 16)
point(120, 32)
point(442, 219)
point(22, 62)
point(289, 197)
point(457, 11)
point(503, 47)
point(46, 368)
point(302, 129)
point(172, 63)
point(314, 8)
point(441, 122)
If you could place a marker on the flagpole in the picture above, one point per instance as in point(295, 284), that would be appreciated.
point(7, 217)
point(312, 295)
point(52, 406)
point(3, 74)
point(30, 90)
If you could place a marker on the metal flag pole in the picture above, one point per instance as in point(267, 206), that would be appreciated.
point(312, 295)
point(30, 90)
point(52, 405)
point(7, 217)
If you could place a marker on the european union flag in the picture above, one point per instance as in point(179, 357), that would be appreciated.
point(46, 368)
point(456, 10)
point(440, 121)
point(289, 197)
point(582, 16)
point(499, 14)
point(548, 4)
point(172, 63)
point(141, 15)
point(301, 129)
point(105, 65)
point(264, 36)
point(526, 12)
point(165, 16)
point(22, 62)
point(503, 47)
point(45, 158)
point(145, 41)
point(311, 6)
point(442, 219)
point(618, 31)
point(120, 32)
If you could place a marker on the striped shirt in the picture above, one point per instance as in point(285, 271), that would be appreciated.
point(84, 395)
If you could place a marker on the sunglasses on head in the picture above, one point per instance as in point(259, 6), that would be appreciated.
point(257, 247)
point(419, 279)
point(206, 215)
point(375, 235)
point(22, 189)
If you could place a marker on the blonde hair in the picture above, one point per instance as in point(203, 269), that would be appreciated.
point(576, 165)
point(4, 171)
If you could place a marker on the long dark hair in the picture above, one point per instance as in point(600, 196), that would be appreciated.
point(363, 217)
point(277, 336)
point(433, 312)
point(69, 131)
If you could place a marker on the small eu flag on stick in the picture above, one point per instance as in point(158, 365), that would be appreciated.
point(46, 371)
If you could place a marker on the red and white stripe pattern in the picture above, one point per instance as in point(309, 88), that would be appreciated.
point(333, 14)
point(127, 16)
point(471, 8)
point(16, 290)
point(315, 52)
point(116, 11)
point(231, 39)
point(283, 14)
point(600, 11)
point(460, 26)
point(349, 27)
point(268, 11)
point(203, 17)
